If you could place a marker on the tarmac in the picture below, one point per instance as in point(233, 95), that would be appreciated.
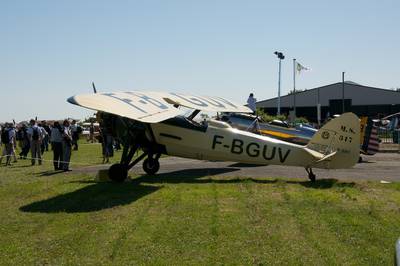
point(379, 167)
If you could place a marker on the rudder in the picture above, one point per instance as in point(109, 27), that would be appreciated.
point(340, 135)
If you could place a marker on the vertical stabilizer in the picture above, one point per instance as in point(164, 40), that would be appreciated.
point(340, 136)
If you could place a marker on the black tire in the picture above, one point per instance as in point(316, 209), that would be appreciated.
point(118, 172)
point(151, 166)
point(360, 159)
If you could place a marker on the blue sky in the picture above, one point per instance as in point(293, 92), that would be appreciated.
point(50, 50)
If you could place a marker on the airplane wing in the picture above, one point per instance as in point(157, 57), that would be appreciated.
point(144, 107)
point(153, 107)
point(205, 103)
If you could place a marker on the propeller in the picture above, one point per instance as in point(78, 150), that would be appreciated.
point(94, 88)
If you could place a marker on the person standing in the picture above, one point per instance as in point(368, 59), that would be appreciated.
point(26, 146)
point(107, 144)
point(66, 144)
point(75, 135)
point(20, 138)
point(13, 139)
point(251, 102)
point(7, 140)
point(56, 138)
point(46, 138)
point(35, 138)
point(4, 141)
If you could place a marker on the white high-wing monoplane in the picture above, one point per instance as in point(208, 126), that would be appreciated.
point(153, 122)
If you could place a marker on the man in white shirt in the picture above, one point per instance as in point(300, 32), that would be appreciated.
point(35, 136)
point(251, 102)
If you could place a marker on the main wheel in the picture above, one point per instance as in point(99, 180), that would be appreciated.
point(118, 172)
point(151, 166)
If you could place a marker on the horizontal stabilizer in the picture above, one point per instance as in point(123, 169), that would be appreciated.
point(320, 157)
point(327, 157)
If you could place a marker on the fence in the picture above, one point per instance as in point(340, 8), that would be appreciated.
point(389, 135)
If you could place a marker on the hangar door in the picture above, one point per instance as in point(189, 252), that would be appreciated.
point(335, 106)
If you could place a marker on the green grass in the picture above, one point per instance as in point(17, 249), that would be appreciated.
point(70, 219)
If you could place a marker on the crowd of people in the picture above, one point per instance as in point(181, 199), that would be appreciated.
point(36, 138)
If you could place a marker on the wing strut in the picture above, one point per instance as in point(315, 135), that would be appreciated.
point(193, 115)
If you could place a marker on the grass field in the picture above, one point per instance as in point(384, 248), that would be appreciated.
point(67, 218)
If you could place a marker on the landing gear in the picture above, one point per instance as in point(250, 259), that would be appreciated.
point(151, 166)
point(136, 137)
point(311, 175)
point(118, 172)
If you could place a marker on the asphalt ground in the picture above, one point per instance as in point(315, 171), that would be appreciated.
point(381, 166)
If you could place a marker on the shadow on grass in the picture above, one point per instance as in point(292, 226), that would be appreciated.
point(195, 176)
point(323, 183)
point(51, 172)
point(99, 196)
point(22, 166)
point(91, 198)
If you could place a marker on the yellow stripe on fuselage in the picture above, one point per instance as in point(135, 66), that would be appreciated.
point(277, 134)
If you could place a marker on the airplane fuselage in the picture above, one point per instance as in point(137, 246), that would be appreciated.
point(219, 141)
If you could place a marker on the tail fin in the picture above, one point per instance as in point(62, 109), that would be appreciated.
point(339, 141)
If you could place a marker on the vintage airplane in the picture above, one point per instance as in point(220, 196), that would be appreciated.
point(154, 123)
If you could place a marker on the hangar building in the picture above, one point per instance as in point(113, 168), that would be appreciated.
point(359, 99)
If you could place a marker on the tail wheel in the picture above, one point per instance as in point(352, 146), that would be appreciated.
point(311, 175)
point(118, 172)
point(151, 166)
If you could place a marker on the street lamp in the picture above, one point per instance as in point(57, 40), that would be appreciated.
point(281, 57)
point(343, 92)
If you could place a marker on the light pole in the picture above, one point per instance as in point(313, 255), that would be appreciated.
point(281, 57)
point(343, 92)
point(294, 87)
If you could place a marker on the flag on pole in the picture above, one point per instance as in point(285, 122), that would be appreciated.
point(300, 67)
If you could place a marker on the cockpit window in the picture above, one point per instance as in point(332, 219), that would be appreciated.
point(182, 121)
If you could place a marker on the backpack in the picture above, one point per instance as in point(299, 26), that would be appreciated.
point(5, 137)
point(35, 133)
